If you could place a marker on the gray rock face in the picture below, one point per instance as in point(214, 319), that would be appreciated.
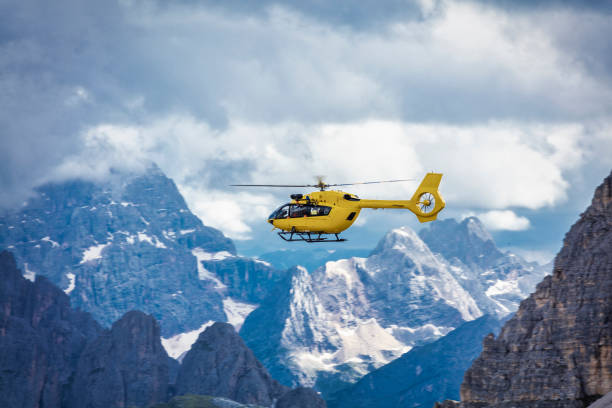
point(41, 339)
point(125, 366)
point(423, 375)
point(220, 364)
point(467, 241)
point(557, 350)
point(497, 280)
point(131, 243)
point(301, 397)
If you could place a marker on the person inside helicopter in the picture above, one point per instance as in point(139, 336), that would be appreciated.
point(299, 210)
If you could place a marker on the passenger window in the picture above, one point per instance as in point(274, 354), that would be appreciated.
point(298, 211)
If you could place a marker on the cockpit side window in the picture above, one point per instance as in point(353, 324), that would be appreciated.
point(297, 210)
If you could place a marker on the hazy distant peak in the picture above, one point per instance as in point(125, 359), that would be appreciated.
point(403, 239)
point(474, 227)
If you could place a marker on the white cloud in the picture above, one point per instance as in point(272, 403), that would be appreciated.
point(461, 89)
point(496, 220)
point(488, 167)
point(301, 98)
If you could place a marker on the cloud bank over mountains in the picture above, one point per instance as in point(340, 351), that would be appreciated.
point(511, 102)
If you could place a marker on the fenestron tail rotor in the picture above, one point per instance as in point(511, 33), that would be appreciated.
point(427, 203)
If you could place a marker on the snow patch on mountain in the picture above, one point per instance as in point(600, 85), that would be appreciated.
point(237, 311)
point(203, 273)
point(216, 256)
point(29, 274)
point(178, 344)
point(50, 241)
point(71, 284)
point(367, 342)
point(93, 252)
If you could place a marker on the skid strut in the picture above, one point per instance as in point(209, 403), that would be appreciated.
point(309, 236)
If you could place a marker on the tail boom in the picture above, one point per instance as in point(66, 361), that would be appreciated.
point(425, 203)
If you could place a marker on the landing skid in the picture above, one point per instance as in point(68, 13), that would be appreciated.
point(309, 236)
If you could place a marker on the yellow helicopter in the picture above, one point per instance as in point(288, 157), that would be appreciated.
point(321, 215)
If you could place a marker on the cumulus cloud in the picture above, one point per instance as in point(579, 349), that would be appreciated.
point(505, 220)
point(498, 100)
point(493, 166)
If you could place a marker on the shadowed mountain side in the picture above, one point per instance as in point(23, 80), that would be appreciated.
point(220, 364)
point(125, 366)
point(41, 338)
point(423, 375)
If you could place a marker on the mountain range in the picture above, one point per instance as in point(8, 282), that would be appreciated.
point(53, 356)
point(131, 243)
point(329, 327)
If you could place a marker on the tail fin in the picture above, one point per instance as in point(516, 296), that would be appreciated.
point(427, 201)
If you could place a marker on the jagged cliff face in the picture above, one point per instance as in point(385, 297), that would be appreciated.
point(496, 280)
point(53, 356)
point(557, 350)
point(220, 364)
point(131, 243)
point(125, 366)
point(41, 339)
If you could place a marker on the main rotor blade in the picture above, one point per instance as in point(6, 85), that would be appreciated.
point(272, 185)
point(369, 182)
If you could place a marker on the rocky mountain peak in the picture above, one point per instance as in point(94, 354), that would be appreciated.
point(475, 228)
point(602, 197)
point(402, 239)
point(124, 366)
point(219, 363)
point(467, 241)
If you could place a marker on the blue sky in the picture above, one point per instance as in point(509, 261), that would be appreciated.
point(510, 100)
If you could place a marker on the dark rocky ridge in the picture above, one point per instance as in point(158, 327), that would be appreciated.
point(52, 356)
point(220, 364)
point(41, 339)
point(557, 350)
point(125, 366)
